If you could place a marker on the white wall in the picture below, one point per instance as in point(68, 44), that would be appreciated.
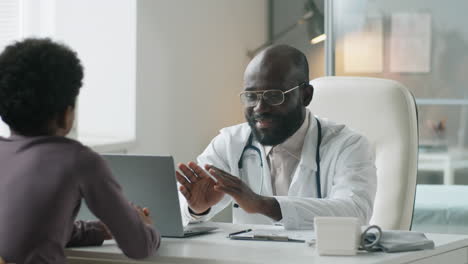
point(191, 56)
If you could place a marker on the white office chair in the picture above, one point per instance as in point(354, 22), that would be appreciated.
point(385, 112)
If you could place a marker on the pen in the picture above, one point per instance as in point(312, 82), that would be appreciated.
point(240, 232)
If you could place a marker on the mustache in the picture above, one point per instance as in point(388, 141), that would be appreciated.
point(264, 116)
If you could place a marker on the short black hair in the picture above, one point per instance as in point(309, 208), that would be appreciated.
point(39, 79)
point(297, 58)
point(300, 60)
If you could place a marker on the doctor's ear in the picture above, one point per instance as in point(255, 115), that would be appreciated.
point(308, 94)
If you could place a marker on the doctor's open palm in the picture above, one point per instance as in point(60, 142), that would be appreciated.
point(197, 187)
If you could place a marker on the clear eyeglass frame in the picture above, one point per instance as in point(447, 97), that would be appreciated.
point(271, 97)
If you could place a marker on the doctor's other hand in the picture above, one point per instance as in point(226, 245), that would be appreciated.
point(197, 187)
point(237, 189)
point(247, 199)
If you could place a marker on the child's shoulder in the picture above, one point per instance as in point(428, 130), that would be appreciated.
point(68, 148)
point(82, 158)
point(61, 144)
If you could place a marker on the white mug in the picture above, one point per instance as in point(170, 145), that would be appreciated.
point(337, 235)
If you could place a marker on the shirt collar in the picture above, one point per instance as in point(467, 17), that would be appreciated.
point(294, 143)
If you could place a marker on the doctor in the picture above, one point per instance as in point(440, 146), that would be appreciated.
point(284, 165)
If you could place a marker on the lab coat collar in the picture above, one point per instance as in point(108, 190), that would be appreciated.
point(267, 184)
point(307, 165)
point(310, 145)
point(239, 141)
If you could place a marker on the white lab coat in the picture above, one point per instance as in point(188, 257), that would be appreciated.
point(348, 176)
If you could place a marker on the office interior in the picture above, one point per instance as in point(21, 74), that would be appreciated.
point(163, 77)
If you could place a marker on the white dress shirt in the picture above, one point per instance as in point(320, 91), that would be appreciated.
point(283, 158)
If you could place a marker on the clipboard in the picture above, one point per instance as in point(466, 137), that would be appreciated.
point(275, 236)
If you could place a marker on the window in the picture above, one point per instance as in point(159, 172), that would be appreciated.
point(107, 49)
point(10, 29)
point(422, 45)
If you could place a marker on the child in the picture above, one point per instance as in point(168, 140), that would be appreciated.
point(44, 175)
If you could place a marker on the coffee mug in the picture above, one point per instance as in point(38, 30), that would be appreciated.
point(337, 235)
point(343, 236)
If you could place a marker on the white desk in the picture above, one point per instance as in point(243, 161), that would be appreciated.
point(216, 248)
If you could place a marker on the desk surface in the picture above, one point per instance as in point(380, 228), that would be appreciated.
point(216, 248)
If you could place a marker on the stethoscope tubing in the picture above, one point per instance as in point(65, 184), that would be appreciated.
point(249, 145)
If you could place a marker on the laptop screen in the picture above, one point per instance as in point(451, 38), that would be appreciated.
point(147, 181)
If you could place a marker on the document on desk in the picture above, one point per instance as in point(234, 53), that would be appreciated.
point(300, 236)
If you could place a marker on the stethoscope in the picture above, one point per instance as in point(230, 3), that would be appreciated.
point(250, 146)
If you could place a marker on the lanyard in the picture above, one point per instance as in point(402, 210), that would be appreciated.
point(249, 145)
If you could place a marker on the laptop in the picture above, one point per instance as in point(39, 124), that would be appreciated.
point(149, 181)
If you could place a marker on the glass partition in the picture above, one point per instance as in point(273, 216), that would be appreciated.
point(424, 45)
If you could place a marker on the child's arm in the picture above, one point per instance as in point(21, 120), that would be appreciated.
point(105, 199)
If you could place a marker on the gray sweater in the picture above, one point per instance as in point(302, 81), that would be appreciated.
point(42, 182)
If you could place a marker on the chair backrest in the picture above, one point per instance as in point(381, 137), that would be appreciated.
point(385, 112)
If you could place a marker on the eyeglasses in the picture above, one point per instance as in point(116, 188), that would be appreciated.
point(271, 97)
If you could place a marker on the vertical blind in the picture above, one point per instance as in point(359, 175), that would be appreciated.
point(10, 22)
point(10, 29)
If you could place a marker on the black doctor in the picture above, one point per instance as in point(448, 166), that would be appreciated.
point(276, 93)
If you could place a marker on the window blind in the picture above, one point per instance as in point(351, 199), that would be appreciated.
point(10, 18)
point(10, 30)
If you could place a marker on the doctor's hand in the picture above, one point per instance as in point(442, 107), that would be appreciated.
point(247, 199)
point(197, 187)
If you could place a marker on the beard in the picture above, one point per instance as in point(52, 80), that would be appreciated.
point(283, 126)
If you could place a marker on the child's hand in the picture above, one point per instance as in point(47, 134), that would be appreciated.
point(144, 214)
point(106, 231)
